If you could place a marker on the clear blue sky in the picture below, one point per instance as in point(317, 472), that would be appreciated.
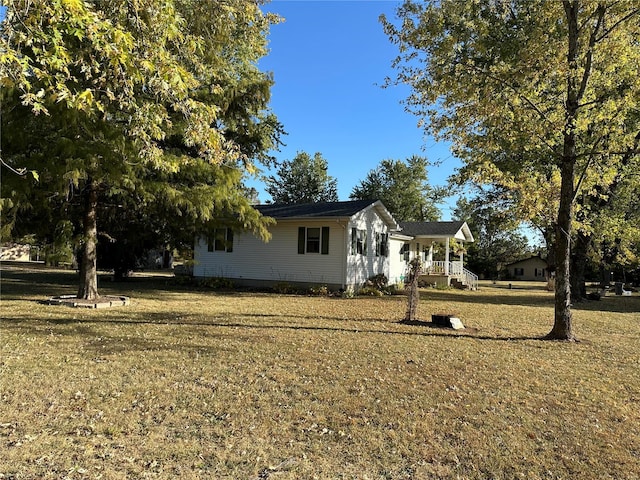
point(329, 60)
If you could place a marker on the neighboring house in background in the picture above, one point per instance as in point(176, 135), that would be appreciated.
point(15, 252)
point(531, 269)
point(338, 244)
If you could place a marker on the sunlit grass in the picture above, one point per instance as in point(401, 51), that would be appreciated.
point(198, 384)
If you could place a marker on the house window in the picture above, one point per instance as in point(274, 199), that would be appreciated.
point(221, 240)
point(358, 242)
point(518, 272)
point(382, 244)
point(313, 240)
point(404, 252)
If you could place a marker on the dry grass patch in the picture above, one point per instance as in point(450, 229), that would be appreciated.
point(248, 385)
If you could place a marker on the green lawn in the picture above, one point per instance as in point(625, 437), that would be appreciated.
point(200, 384)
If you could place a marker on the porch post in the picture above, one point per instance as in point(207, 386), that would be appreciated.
point(446, 257)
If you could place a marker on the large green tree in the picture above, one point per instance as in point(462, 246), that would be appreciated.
point(304, 179)
point(528, 89)
point(404, 189)
point(153, 106)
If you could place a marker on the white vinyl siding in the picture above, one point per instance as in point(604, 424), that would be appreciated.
point(362, 266)
point(277, 260)
point(292, 253)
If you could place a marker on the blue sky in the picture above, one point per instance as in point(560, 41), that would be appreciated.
point(329, 60)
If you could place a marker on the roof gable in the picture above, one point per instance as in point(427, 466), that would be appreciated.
point(454, 229)
point(524, 261)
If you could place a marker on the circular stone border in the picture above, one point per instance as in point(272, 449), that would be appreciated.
point(104, 301)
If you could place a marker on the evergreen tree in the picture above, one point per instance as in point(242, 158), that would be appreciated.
point(403, 187)
point(303, 180)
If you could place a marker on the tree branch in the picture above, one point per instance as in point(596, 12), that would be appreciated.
point(601, 10)
point(526, 99)
point(615, 25)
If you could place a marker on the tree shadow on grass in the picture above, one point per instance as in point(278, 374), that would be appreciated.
point(17, 280)
point(99, 341)
point(612, 304)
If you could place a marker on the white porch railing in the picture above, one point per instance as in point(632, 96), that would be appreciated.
point(470, 278)
point(453, 269)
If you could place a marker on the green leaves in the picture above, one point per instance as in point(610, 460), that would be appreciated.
point(403, 188)
point(161, 103)
point(528, 90)
point(303, 180)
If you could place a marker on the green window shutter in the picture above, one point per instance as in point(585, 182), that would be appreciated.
point(301, 239)
point(229, 240)
point(354, 240)
point(325, 241)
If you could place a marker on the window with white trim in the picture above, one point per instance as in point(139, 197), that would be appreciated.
point(313, 240)
point(404, 252)
point(358, 242)
point(382, 244)
point(221, 240)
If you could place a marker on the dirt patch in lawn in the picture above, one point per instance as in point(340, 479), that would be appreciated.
point(104, 301)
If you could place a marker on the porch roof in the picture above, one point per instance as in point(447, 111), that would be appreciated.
point(455, 229)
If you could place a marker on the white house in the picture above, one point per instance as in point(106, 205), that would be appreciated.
point(338, 244)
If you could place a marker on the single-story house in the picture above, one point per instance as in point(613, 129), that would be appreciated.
point(338, 244)
point(534, 268)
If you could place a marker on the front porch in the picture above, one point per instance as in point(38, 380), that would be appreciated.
point(445, 239)
point(445, 274)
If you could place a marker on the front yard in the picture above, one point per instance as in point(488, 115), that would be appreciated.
point(200, 384)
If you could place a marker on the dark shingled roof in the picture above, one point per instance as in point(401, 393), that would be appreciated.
point(314, 210)
point(430, 228)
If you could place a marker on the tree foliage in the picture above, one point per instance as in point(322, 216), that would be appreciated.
point(404, 189)
point(528, 92)
point(303, 180)
point(156, 107)
point(496, 231)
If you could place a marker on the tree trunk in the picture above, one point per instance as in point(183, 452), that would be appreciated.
point(562, 326)
point(88, 288)
point(562, 322)
point(413, 294)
